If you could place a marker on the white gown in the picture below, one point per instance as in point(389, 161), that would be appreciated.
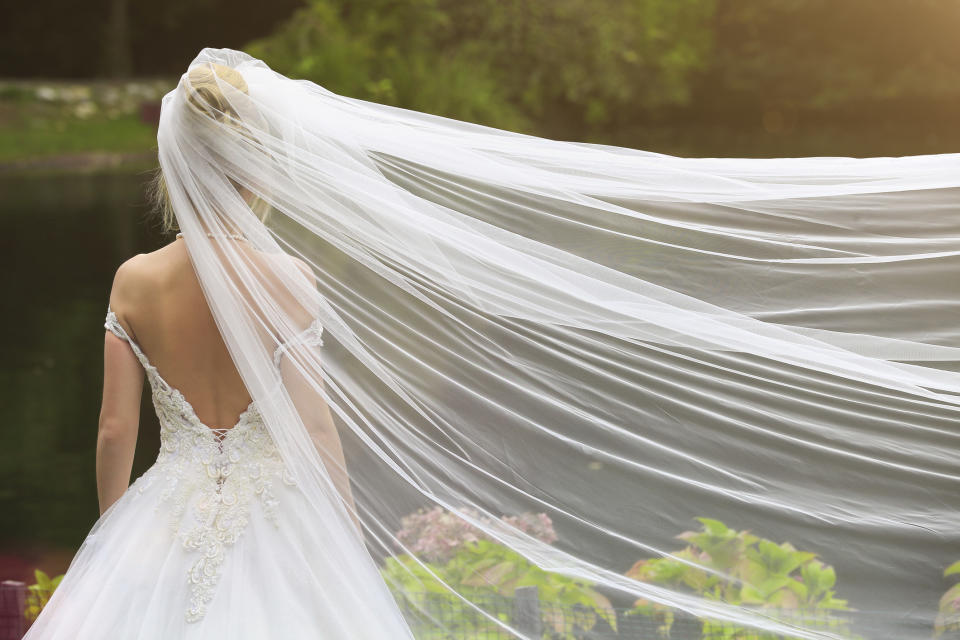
point(207, 544)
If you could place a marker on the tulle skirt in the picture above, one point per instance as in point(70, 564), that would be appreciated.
point(134, 577)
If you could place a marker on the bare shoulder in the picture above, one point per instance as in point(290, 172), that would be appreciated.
point(303, 309)
point(126, 291)
point(305, 268)
point(283, 260)
point(127, 280)
point(135, 277)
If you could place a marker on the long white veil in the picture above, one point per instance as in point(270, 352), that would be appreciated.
point(583, 389)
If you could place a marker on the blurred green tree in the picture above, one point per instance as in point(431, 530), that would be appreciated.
point(563, 68)
point(856, 58)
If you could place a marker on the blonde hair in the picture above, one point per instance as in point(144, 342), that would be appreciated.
point(204, 94)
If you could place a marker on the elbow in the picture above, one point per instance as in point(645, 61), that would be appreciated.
point(115, 429)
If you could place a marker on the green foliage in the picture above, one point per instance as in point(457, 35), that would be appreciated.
point(481, 570)
point(388, 52)
point(948, 617)
point(737, 567)
point(579, 69)
point(49, 137)
point(825, 55)
point(39, 594)
point(566, 66)
point(56, 118)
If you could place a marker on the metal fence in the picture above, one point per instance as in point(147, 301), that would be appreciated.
point(447, 618)
point(443, 617)
point(13, 603)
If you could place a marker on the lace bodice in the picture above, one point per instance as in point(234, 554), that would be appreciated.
point(211, 477)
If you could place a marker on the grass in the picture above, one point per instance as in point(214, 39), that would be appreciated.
point(32, 129)
point(40, 137)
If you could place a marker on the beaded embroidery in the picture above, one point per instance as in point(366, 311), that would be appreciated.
point(211, 476)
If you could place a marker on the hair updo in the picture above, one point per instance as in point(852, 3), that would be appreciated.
point(205, 94)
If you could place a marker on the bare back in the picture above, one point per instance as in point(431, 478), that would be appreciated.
point(171, 321)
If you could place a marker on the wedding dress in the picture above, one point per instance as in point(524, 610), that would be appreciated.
point(580, 389)
point(209, 543)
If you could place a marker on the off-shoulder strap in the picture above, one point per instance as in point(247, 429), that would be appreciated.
point(309, 336)
point(113, 325)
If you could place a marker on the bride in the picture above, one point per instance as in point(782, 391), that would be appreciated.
point(153, 564)
point(408, 369)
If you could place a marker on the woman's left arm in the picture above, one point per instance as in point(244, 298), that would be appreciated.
point(120, 408)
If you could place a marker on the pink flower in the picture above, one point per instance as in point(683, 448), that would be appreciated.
point(436, 534)
point(537, 525)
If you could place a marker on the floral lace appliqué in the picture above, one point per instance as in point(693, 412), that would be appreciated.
point(211, 477)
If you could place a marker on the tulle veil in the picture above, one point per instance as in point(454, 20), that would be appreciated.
point(642, 388)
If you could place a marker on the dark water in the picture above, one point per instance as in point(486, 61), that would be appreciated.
point(65, 236)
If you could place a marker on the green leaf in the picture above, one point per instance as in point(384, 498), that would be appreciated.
point(714, 527)
point(952, 569)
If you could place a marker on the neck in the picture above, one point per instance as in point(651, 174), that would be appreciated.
point(229, 236)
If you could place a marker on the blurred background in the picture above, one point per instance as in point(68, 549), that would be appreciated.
point(80, 87)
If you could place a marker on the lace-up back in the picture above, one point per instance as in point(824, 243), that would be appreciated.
point(211, 477)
